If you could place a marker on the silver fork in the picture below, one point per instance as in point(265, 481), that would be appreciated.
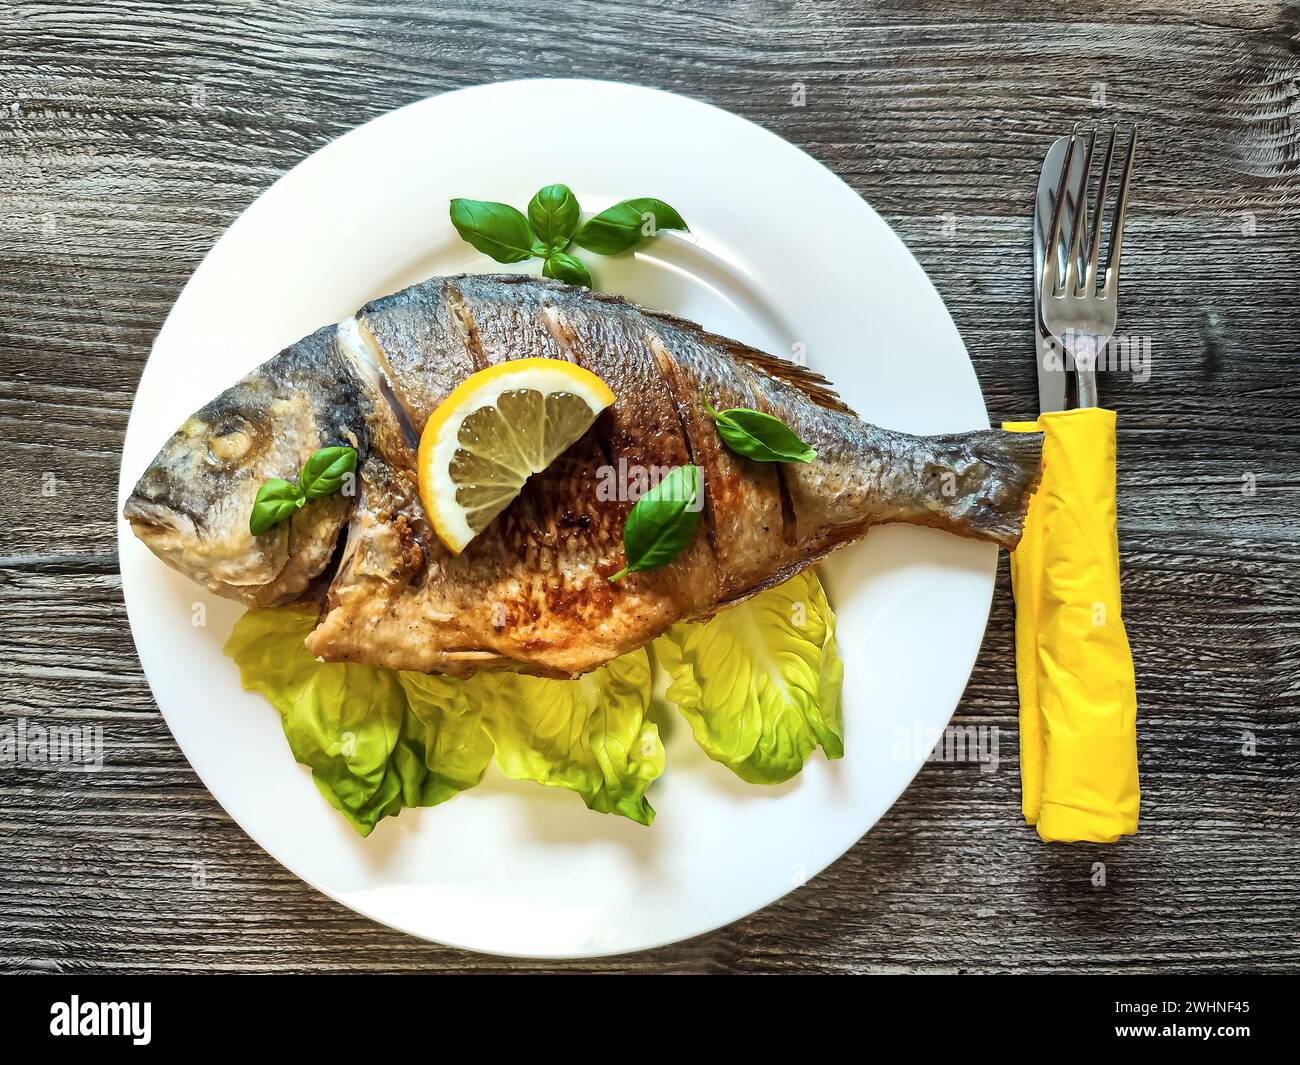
point(1078, 315)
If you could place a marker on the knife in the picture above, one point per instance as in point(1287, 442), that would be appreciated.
point(1053, 378)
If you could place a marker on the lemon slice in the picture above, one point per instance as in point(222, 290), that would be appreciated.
point(497, 429)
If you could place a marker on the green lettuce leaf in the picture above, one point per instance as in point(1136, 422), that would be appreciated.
point(448, 736)
point(378, 741)
point(369, 754)
point(590, 735)
point(760, 683)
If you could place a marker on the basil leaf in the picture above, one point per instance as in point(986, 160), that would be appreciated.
point(626, 224)
point(662, 521)
point(758, 436)
point(553, 214)
point(326, 471)
point(564, 267)
point(275, 501)
point(495, 229)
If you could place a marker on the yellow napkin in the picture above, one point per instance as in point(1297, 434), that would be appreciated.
point(1078, 698)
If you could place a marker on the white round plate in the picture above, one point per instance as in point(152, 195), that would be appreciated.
point(781, 254)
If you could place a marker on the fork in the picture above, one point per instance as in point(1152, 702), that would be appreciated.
point(1079, 315)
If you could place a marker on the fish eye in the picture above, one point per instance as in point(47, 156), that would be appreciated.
point(230, 441)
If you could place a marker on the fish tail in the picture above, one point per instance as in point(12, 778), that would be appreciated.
point(990, 477)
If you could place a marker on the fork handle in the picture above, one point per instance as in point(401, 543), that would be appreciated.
point(1084, 349)
point(1087, 386)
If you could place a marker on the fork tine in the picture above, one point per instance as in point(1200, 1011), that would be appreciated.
point(1099, 216)
point(1051, 263)
point(1074, 250)
point(1117, 226)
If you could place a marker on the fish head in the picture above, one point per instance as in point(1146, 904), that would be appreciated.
point(192, 505)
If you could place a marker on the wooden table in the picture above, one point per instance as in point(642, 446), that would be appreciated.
point(132, 134)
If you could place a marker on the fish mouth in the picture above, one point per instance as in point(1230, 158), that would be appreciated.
point(151, 519)
point(231, 566)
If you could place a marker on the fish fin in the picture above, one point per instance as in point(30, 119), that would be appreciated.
point(809, 382)
point(1015, 465)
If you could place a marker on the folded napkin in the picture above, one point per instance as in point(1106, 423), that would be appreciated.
point(1078, 698)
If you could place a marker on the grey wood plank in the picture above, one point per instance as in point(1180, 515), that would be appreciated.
point(132, 133)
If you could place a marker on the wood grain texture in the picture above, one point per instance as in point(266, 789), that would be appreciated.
point(133, 133)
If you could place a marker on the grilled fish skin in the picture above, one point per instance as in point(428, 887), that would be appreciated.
point(531, 593)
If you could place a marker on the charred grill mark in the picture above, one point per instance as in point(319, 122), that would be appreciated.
point(672, 385)
point(397, 401)
point(459, 312)
point(601, 433)
point(401, 413)
point(367, 366)
point(789, 521)
point(560, 329)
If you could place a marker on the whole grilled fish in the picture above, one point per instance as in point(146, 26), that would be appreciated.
point(531, 593)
